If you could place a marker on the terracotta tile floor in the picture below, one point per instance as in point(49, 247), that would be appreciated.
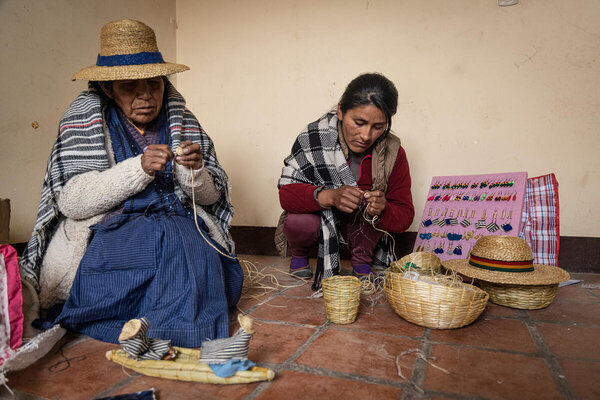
point(506, 354)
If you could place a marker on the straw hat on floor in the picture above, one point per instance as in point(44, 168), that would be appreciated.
point(504, 266)
point(128, 50)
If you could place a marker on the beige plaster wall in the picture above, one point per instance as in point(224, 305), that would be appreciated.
point(42, 44)
point(483, 89)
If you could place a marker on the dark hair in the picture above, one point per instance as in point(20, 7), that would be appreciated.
point(374, 89)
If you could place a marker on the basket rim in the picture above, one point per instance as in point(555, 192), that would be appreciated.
point(464, 285)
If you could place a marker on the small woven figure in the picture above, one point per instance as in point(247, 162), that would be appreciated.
point(220, 351)
point(135, 343)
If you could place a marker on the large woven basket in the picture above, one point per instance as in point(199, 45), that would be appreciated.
point(342, 297)
point(433, 305)
point(524, 297)
point(419, 260)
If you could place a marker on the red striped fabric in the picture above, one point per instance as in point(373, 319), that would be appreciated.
point(540, 219)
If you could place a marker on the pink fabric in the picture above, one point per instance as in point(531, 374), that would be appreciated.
point(540, 219)
point(14, 295)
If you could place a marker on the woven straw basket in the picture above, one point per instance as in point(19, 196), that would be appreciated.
point(524, 297)
point(530, 289)
point(421, 261)
point(342, 297)
point(431, 305)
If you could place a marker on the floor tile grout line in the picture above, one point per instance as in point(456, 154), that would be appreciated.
point(545, 354)
point(456, 396)
point(484, 348)
point(592, 294)
point(364, 331)
point(315, 370)
point(415, 383)
point(565, 323)
point(20, 395)
point(335, 327)
point(320, 330)
point(111, 389)
point(285, 323)
point(264, 385)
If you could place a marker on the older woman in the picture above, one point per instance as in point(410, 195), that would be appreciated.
point(346, 176)
point(135, 207)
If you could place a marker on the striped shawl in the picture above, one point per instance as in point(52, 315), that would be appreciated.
point(81, 146)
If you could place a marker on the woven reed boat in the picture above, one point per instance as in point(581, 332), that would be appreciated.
point(185, 367)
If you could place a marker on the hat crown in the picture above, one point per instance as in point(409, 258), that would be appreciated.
point(127, 36)
point(502, 248)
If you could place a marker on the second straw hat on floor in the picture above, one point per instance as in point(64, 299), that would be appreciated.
point(505, 269)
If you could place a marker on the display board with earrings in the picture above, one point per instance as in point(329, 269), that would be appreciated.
point(461, 209)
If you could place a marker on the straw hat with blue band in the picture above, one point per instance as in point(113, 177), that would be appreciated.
point(505, 260)
point(128, 50)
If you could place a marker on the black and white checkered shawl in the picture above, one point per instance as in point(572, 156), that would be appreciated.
point(317, 158)
point(81, 147)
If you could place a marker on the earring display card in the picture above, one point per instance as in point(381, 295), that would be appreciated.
point(461, 209)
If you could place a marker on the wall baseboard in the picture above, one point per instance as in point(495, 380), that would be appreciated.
point(577, 254)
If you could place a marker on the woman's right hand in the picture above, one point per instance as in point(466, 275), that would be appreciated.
point(345, 198)
point(155, 158)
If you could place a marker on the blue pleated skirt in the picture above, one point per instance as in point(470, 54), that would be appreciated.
point(156, 266)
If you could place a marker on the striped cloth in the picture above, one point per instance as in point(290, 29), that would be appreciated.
point(540, 219)
point(317, 158)
point(81, 147)
point(220, 351)
point(141, 347)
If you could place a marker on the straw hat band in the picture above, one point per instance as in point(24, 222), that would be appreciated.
point(145, 57)
point(504, 266)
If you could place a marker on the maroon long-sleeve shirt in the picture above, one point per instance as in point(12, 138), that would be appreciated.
point(399, 211)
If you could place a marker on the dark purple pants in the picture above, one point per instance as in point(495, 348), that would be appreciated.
point(302, 233)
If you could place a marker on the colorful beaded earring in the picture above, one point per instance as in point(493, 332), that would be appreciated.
point(436, 219)
point(466, 221)
point(457, 250)
point(427, 222)
point(481, 223)
point(449, 250)
point(493, 226)
point(442, 221)
point(450, 220)
point(507, 227)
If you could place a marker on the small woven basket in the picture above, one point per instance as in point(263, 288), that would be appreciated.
point(433, 305)
point(419, 260)
point(524, 297)
point(342, 297)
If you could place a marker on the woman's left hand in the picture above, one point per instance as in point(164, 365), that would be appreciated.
point(192, 155)
point(375, 202)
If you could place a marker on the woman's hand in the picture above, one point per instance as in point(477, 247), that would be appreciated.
point(191, 155)
point(375, 202)
point(155, 158)
point(345, 198)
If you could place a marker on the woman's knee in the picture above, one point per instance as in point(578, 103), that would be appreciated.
point(302, 227)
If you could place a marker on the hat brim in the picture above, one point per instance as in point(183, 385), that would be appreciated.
point(541, 274)
point(124, 72)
